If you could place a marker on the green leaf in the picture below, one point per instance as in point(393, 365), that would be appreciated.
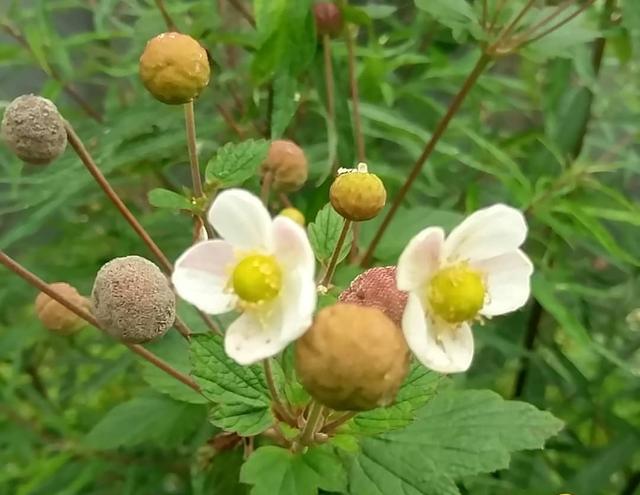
point(276, 471)
point(420, 386)
point(147, 419)
point(163, 198)
point(324, 233)
point(236, 162)
point(223, 476)
point(457, 434)
point(241, 418)
point(457, 15)
point(356, 15)
point(284, 103)
point(222, 380)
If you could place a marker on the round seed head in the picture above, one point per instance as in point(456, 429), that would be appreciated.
point(34, 129)
point(174, 68)
point(288, 164)
point(132, 300)
point(358, 195)
point(328, 18)
point(294, 214)
point(377, 288)
point(56, 317)
point(353, 358)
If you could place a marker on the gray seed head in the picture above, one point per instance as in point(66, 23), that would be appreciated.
point(132, 300)
point(34, 129)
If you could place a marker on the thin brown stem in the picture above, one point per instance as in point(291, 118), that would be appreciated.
point(190, 124)
point(243, 10)
point(338, 422)
point(355, 97)
point(333, 263)
point(53, 73)
point(496, 15)
point(441, 127)
point(284, 199)
point(182, 327)
point(265, 188)
point(86, 159)
point(229, 120)
point(329, 84)
point(535, 37)
point(42, 286)
point(485, 9)
point(278, 404)
point(514, 23)
point(171, 25)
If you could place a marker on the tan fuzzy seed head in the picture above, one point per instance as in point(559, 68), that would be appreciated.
point(328, 18)
point(377, 288)
point(353, 358)
point(34, 129)
point(288, 164)
point(174, 68)
point(132, 300)
point(56, 317)
point(357, 196)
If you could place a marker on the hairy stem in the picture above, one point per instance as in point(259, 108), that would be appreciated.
point(278, 404)
point(330, 88)
point(355, 96)
point(338, 422)
point(333, 263)
point(86, 159)
point(190, 124)
point(42, 286)
point(171, 25)
point(265, 189)
point(441, 127)
point(314, 419)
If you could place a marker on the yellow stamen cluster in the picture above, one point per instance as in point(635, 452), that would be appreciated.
point(257, 278)
point(456, 293)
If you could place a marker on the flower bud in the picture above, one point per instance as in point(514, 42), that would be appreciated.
point(353, 358)
point(357, 195)
point(377, 288)
point(132, 300)
point(328, 18)
point(174, 68)
point(34, 129)
point(56, 317)
point(294, 214)
point(288, 164)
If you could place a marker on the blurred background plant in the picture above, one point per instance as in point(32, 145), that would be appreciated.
point(552, 130)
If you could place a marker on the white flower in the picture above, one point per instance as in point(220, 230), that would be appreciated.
point(478, 270)
point(261, 267)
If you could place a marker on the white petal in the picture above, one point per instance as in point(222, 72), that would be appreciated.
point(240, 218)
point(201, 275)
point(486, 233)
point(298, 302)
point(508, 282)
point(292, 247)
point(447, 350)
point(248, 340)
point(420, 259)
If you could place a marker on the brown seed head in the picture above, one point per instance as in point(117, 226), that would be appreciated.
point(34, 129)
point(357, 195)
point(328, 18)
point(132, 300)
point(288, 164)
point(353, 358)
point(174, 68)
point(377, 288)
point(57, 318)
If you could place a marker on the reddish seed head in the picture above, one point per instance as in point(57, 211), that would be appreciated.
point(377, 288)
point(328, 18)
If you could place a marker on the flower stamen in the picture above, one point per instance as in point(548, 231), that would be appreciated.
point(257, 278)
point(456, 293)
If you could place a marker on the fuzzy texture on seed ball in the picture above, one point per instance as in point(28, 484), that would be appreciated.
point(34, 129)
point(377, 288)
point(132, 300)
point(353, 358)
point(288, 164)
point(328, 18)
point(357, 196)
point(174, 68)
point(56, 317)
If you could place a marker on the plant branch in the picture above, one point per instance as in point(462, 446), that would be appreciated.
point(171, 25)
point(355, 97)
point(337, 423)
point(42, 286)
point(190, 124)
point(441, 127)
point(278, 405)
point(335, 256)
point(314, 418)
point(53, 73)
point(265, 188)
point(86, 159)
point(244, 12)
point(533, 325)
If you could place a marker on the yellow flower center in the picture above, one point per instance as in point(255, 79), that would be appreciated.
point(456, 293)
point(257, 278)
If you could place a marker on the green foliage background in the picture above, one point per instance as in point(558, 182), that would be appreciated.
point(547, 131)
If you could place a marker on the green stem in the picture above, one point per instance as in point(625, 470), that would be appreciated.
point(333, 263)
point(278, 404)
point(190, 124)
point(311, 426)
